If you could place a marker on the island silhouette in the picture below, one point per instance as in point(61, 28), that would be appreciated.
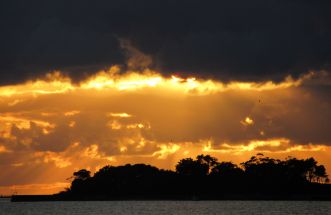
point(202, 178)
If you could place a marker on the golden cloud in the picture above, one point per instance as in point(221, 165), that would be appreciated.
point(281, 145)
point(56, 83)
point(53, 126)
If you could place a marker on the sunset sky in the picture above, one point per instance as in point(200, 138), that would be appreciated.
point(86, 84)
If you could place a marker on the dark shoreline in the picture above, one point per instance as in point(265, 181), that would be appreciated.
point(260, 178)
point(44, 198)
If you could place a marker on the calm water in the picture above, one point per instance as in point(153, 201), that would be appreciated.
point(166, 207)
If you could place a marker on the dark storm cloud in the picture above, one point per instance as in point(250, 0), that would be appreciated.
point(240, 39)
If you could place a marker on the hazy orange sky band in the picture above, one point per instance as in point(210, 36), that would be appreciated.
point(50, 127)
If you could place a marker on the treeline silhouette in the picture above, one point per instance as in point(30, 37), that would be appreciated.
point(205, 178)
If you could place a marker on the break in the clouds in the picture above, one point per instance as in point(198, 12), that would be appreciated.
point(229, 40)
point(52, 126)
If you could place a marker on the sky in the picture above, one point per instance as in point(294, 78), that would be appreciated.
point(85, 84)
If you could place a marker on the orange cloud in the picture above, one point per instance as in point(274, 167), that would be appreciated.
point(270, 145)
point(51, 127)
point(121, 115)
point(3, 149)
point(56, 83)
point(247, 121)
point(165, 150)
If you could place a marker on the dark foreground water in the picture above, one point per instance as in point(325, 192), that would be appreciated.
point(165, 207)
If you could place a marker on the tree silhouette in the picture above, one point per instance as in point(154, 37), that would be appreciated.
point(203, 177)
point(320, 174)
point(208, 160)
point(199, 167)
point(190, 167)
point(227, 170)
point(82, 174)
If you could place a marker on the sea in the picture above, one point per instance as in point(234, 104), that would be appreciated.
point(165, 207)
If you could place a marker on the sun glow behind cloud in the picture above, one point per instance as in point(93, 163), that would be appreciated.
point(53, 126)
point(56, 83)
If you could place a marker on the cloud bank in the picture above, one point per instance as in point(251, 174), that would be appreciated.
point(53, 126)
point(229, 40)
